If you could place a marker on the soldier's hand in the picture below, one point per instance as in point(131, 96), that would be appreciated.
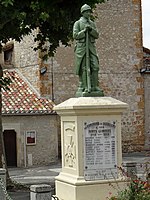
point(88, 27)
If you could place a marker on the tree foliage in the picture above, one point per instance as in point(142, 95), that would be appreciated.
point(54, 18)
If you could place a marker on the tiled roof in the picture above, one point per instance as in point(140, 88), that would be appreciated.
point(21, 98)
point(146, 50)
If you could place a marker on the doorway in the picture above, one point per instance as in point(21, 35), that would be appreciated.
point(10, 147)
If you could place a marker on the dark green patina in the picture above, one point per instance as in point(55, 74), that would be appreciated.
point(86, 59)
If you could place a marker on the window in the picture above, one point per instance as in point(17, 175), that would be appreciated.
point(8, 53)
point(30, 137)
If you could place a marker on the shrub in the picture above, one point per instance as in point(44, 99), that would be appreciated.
point(136, 190)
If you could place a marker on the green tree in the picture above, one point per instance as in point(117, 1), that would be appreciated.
point(54, 19)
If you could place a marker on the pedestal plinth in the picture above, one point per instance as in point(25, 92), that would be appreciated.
point(91, 147)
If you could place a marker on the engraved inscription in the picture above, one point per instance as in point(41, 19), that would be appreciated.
point(100, 160)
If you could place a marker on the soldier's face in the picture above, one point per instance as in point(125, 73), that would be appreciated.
point(87, 14)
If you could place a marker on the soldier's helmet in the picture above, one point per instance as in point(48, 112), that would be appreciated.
point(85, 7)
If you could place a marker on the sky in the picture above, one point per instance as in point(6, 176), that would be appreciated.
point(146, 23)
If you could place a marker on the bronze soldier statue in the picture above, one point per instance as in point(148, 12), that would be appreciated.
point(86, 59)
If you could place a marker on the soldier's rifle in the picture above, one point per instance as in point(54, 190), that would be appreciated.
point(88, 71)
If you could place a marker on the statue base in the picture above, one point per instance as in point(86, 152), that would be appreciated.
point(91, 148)
point(90, 94)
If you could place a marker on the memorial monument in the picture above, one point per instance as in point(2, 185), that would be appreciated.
point(90, 127)
point(86, 58)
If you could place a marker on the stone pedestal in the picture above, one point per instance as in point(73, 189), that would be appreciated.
point(91, 147)
point(40, 192)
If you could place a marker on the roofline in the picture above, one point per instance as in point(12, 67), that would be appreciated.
point(146, 50)
point(27, 82)
point(27, 114)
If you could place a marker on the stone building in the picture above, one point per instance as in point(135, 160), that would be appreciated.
point(145, 71)
point(30, 126)
point(121, 57)
point(120, 51)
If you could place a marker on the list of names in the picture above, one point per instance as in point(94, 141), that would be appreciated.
point(100, 160)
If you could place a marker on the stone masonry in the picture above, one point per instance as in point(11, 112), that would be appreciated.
point(27, 60)
point(121, 57)
point(46, 149)
point(146, 76)
point(120, 54)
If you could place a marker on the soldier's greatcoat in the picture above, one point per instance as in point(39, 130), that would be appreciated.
point(80, 37)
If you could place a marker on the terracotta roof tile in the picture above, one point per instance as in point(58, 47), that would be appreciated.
point(21, 98)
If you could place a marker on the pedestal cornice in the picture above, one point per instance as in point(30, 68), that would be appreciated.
point(94, 105)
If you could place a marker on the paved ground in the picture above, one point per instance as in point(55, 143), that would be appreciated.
point(47, 174)
point(33, 176)
point(19, 195)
